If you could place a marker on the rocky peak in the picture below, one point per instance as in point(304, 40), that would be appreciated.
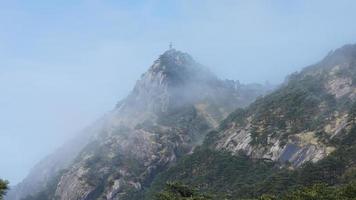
point(176, 67)
point(174, 80)
point(167, 114)
point(170, 60)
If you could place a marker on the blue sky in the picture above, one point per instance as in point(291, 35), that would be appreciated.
point(64, 63)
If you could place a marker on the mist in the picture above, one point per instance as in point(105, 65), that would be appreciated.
point(64, 64)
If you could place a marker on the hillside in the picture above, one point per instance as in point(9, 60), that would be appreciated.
point(168, 113)
point(299, 135)
point(297, 122)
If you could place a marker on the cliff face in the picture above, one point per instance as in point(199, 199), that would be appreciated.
point(297, 122)
point(265, 148)
point(178, 105)
point(168, 113)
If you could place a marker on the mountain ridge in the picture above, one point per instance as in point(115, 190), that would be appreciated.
point(314, 97)
point(301, 134)
point(167, 114)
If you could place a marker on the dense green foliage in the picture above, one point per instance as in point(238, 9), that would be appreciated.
point(178, 191)
point(3, 188)
point(230, 176)
point(322, 191)
point(218, 173)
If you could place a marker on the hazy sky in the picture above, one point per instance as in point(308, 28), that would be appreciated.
point(64, 63)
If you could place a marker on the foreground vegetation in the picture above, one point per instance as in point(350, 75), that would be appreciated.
point(178, 191)
point(239, 177)
point(3, 188)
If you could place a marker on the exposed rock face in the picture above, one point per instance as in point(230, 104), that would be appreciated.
point(296, 123)
point(171, 108)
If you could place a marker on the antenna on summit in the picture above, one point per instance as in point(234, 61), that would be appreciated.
point(170, 46)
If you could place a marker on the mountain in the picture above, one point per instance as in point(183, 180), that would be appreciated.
point(301, 134)
point(297, 122)
point(168, 113)
point(48, 168)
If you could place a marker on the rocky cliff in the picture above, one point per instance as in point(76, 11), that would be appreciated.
point(168, 113)
point(301, 134)
point(297, 122)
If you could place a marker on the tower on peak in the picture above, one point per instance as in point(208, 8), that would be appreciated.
point(170, 46)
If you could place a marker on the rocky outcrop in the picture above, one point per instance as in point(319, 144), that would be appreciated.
point(171, 108)
point(297, 122)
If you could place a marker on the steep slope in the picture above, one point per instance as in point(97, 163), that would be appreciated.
point(297, 122)
point(226, 176)
point(49, 167)
point(299, 135)
point(171, 108)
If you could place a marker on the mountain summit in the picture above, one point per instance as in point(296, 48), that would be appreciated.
point(167, 114)
point(177, 66)
point(173, 80)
